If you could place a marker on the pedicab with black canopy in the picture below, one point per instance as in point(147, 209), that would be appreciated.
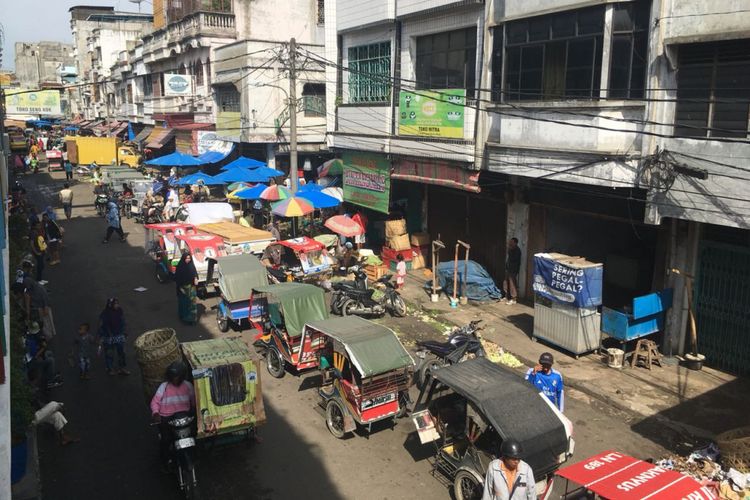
point(469, 408)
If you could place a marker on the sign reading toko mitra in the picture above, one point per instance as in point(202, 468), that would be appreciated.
point(438, 113)
point(578, 286)
point(25, 102)
point(175, 84)
point(367, 180)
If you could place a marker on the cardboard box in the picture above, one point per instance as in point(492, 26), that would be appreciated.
point(419, 239)
point(399, 242)
point(391, 254)
point(418, 262)
point(395, 228)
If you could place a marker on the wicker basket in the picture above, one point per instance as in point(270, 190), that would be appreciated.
point(735, 448)
point(155, 350)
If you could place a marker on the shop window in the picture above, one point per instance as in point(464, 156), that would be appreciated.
point(549, 57)
point(627, 73)
point(228, 384)
point(713, 90)
point(370, 73)
point(228, 99)
point(447, 60)
point(314, 99)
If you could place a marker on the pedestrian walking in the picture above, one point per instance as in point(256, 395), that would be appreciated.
point(84, 344)
point(53, 235)
point(113, 222)
point(66, 199)
point(186, 281)
point(548, 380)
point(38, 248)
point(509, 477)
point(512, 268)
point(112, 336)
point(68, 170)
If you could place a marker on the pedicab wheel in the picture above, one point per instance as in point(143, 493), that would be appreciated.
point(467, 485)
point(399, 306)
point(425, 371)
point(335, 419)
point(222, 321)
point(335, 309)
point(161, 274)
point(275, 363)
point(348, 307)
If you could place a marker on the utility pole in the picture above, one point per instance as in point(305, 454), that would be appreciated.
point(293, 115)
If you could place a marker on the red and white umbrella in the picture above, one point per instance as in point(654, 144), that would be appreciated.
point(343, 225)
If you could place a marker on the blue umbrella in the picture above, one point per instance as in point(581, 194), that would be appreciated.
point(318, 199)
point(244, 175)
point(175, 159)
point(267, 172)
point(244, 162)
point(131, 132)
point(199, 176)
point(309, 187)
point(252, 193)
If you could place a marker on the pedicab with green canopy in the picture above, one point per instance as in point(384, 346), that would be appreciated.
point(288, 306)
point(237, 276)
point(366, 372)
point(228, 397)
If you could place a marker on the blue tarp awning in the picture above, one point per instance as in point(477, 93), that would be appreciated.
point(244, 162)
point(479, 285)
point(175, 159)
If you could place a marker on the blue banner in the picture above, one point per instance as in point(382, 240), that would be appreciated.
point(575, 286)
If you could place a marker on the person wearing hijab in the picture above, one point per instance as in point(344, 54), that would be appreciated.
point(113, 221)
point(186, 281)
point(112, 336)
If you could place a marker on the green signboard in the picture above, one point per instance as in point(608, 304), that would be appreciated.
point(438, 113)
point(367, 180)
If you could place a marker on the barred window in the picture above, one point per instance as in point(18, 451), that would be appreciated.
point(321, 12)
point(627, 73)
point(370, 73)
point(314, 99)
point(447, 60)
point(228, 99)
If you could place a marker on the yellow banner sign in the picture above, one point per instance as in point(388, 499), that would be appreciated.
point(30, 102)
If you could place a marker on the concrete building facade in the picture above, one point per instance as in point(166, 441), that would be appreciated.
point(39, 64)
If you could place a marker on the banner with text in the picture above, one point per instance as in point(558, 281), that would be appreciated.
point(40, 102)
point(575, 286)
point(438, 113)
point(367, 180)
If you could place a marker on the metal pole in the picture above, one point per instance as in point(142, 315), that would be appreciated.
point(293, 115)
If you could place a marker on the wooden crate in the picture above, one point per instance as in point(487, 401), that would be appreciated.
point(376, 272)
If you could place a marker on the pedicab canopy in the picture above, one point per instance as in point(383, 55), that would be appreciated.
point(294, 304)
point(372, 348)
point(513, 407)
point(614, 475)
point(239, 274)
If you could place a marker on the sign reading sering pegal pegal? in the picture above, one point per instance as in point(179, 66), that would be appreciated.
point(575, 286)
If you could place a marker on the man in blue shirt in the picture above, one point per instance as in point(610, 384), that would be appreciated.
point(548, 380)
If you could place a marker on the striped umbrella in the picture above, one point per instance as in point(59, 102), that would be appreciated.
point(276, 193)
point(331, 167)
point(343, 225)
point(336, 192)
point(292, 207)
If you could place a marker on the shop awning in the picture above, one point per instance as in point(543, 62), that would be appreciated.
point(612, 474)
point(143, 134)
point(439, 173)
point(119, 129)
point(159, 138)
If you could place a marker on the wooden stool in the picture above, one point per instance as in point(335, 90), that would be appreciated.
point(648, 351)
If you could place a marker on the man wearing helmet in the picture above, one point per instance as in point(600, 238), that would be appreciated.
point(509, 477)
point(548, 380)
point(175, 395)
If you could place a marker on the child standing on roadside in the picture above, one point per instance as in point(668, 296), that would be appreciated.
point(85, 344)
point(400, 271)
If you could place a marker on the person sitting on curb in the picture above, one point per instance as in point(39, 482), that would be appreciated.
point(548, 380)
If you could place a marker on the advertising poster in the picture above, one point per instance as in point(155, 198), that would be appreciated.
point(367, 180)
point(24, 102)
point(175, 84)
point(575, 286)
point(427, 113)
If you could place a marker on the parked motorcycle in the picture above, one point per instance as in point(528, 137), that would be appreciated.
point(463, 343)
point(181, 452)
point(150, 214)
point(100, 203)
point(355, 297)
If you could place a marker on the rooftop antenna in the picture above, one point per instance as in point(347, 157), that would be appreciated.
point(139, 2)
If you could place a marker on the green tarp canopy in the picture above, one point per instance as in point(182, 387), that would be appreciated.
point(239, 275)
point(372, 348)
point(300, 303)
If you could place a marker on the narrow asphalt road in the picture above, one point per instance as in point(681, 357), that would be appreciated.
point(117, 457)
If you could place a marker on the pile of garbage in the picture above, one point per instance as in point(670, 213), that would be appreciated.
point(704, 465)
point(497, 354)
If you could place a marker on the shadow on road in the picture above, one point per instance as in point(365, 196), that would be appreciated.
point(117, 456)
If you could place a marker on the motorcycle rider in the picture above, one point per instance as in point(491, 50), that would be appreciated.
point(509, 477)
point(174, 395)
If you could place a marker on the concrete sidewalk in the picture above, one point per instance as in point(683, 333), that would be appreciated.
point(694, 404)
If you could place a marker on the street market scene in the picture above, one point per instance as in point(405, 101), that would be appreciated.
point(387, 250)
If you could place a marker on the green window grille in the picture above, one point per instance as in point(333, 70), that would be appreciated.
point(370, 73)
